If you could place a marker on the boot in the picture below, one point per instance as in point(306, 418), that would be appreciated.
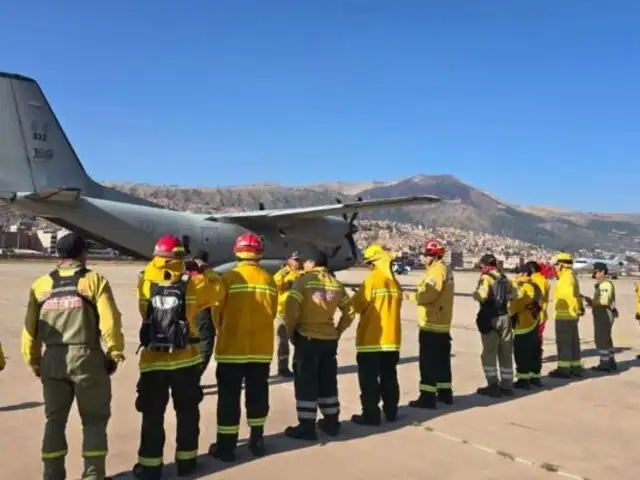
point(507, 391)
point(329, 425)
point(285, 372)
point(369, 420)
point(256, 442)
point(604, 367)
point(522, 384)
point(390, 414)
point(577, 372)
point(445, 396)
point(146, 473)
point(613, 365)
point(560, 373)
point(305, 430)
point(491, 390)
point(424, 401)
point(216, 450)
point(186, 467)
point(536, 382)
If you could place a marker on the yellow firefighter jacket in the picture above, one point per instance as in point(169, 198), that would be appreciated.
point(567, 304)
point(379, 301)
point(95, 288)
point(245, 329)
point(604, 295)
point(284, 278)
point(434, 298)
point(203, 292)
point(543, 284)
point(526, 305)
point(312, 303)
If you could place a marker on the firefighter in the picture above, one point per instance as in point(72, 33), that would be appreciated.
point(245, 349)
point(308, 315)
point(170, 303)
point(71, 311)
point(434, 298)
point(284, 279)
point(542, 282)
point(567, 309)
point(603, 307)
point(378, 301)
point(493, 292)
point(3, 362)
point(525, 311)
point(199, 265)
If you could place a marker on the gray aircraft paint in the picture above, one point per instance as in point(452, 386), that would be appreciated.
point(41, 174)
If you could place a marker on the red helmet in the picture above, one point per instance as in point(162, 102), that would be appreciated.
point(169, 246)
point(248, 245)
point(433, 248)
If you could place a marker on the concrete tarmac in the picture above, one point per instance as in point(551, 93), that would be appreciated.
point(586, 429)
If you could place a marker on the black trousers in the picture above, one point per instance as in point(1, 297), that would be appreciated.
point(316, 379)
point(378, 379)
point(435, 362)
point(153, 396)
point(207, 332)
point(230, 377)
point(526, 351)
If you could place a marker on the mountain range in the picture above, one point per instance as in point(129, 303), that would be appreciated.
point(463, 207)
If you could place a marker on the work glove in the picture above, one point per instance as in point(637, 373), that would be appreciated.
point(36, 370)
point(638, 316)
point(112, 361)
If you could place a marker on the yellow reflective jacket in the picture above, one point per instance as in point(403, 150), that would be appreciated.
point(96, 289)
point(284, 278)
point(434, 298)
point(567, 304)
point(312, 303)
point(526, 305)
point(379, 302)
point(204, 291)
point(2, 359)
point(245, 326)
point(604, 295)
point(543, 284)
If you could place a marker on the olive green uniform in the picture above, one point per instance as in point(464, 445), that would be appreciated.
point(603, 308)
point(68, 312)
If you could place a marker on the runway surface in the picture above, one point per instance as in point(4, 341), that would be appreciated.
point(585, 429)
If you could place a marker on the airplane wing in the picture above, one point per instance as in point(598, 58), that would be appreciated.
point(325, 210)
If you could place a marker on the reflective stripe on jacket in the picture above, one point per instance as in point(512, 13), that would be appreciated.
point(567, 304)
point(434, 298)
point(526, 306)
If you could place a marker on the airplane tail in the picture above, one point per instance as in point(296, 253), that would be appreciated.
point(36, 157)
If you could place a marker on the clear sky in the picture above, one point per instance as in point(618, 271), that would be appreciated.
point(534, 101)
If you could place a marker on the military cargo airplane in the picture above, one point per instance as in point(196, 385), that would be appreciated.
point(615, 265)
point(40, 174)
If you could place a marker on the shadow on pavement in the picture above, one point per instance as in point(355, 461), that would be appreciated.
point(20, 406)
point(586, 353)
point(212, 389)
point(408, 417)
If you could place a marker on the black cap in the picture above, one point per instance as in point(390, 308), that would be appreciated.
point(488, 259)
point(295, 255)
point(600, 267)
point(71, 245)
point(201, 255)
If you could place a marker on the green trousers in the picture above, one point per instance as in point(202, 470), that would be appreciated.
point(568, 344)
point(602, 327)
point(497, 352)
point(68, 373)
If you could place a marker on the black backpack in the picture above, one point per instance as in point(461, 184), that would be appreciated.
point(501, 293)
point(165, 329)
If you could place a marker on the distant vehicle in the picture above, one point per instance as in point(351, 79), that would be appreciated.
point(615, 265)
point(400, 268)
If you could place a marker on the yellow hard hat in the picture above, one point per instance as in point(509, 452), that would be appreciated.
point(373, 253)
point(563, 257)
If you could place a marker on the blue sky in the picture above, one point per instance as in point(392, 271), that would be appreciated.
point(504, 94)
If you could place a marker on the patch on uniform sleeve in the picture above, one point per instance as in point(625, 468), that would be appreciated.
point(431, 281)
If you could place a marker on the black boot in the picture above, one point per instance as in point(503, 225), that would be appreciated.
point(445, 396)
point(186, 467)
point(305, 430)
point(222, 453)
point(491, 390)
point(522, 384)
point(256, 442)
point(613, 365)
point(577, 372)
point(536, 382)
point(147, 473)
point(560, 373)
point(602, 367)
point(329, 425)
point(390, 414)
point(424, 401)
point(370, 420)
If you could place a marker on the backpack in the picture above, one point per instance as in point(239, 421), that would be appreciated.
point(165, 329)
point(501, 293)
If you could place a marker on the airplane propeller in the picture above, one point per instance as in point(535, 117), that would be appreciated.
point(353, 229)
